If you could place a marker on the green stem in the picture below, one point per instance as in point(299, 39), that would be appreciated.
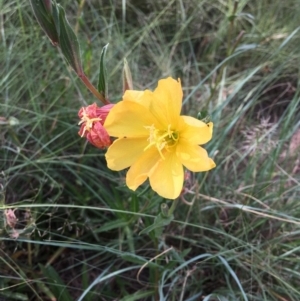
point(173, 207)
point(156, 273)
point(166, 213)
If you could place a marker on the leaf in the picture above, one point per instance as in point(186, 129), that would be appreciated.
point(159, 222)
point(138, 260)
point(231, 18)
point(67, 39)
point(127, 78)
point(13, 296)
point(57, 286)
point(140, 295)
point(102, 81)
point(135, 203)
point(43, 12)
point(111, 225)
point(55, 15)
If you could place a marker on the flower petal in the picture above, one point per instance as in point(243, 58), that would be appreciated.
point(128, 119)
point(141, 97)
point(167, 177)
point(195, 131)
point(194, 157)
point(124, 152)
point(98, 136)
point(139, 171)
point(167, 101)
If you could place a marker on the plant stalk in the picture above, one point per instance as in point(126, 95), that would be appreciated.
point(89, 85)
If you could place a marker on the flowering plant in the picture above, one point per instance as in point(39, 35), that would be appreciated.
point(144, 133)
point(155, 141)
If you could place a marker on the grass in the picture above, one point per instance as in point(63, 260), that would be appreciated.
point(235, 238)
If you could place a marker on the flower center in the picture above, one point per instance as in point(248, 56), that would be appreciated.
point(162, 139)
point(88, 122)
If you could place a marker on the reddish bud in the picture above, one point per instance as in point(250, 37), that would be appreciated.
point(92, 120)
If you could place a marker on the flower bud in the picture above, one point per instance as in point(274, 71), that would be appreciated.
point(92, 120)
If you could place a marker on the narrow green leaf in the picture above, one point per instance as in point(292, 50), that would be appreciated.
point(85, 281)
point(13, 296)
point(45, 289)
point(127, 78)
point(233, 274)
point(111, 225)
point(67, 40)
point(135, 203)
point(2, 189)
point(138, 296)
point(159, 222)
point(55, 16)
point(57, 286)
point(139, 260)
point(231, 18)
point(43, 12)
point(102, 82)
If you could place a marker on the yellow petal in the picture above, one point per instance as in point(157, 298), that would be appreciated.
point(167, 101)
point(167, 177)
point(124, 152)
point(195, 131)
point(140, 97)
point(194, 157)
point(139, 171)
point(128, 119)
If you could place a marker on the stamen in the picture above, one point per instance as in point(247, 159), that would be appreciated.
point(161, 139)
point(88, 122)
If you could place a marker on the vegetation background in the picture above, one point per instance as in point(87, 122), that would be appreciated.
point(77, 234)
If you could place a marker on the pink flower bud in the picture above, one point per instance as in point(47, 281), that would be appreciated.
point(92, 120)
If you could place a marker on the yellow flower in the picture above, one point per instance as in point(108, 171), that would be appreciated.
point(155, 141)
